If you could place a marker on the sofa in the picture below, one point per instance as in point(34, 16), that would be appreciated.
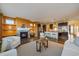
point(70, 49)
point(10, 42)
point(12, 52)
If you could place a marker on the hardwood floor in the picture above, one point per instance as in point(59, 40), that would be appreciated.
point(62, 41)
point(29, 49)
point(23, 41)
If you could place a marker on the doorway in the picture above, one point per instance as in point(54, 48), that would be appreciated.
point(44, 28)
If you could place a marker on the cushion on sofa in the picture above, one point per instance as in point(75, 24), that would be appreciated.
point(12, 52)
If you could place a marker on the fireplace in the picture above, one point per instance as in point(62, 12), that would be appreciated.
point(23, 35)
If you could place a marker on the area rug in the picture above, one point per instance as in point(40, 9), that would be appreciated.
point(29, 49)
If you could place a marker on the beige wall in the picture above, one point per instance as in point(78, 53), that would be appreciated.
point(20, 21)
point(55, 25)
point(73, 22)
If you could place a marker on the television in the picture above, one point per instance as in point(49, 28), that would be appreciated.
point(9, 21)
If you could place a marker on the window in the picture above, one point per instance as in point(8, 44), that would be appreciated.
point(9, 21)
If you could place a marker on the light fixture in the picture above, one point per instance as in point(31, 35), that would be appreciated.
point(10, 27)
point(55, 29)
point(31, 24)
point(34, 25)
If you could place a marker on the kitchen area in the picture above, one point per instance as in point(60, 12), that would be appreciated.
point(57, 32)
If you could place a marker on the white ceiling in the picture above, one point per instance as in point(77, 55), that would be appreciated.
point(44, 13)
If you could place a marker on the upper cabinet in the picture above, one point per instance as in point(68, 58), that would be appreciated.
point(63, 27)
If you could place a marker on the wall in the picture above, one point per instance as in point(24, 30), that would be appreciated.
point(20, 21)
point(73, 22)
point(1, 15)
point(47, 27)
point(17, 24)
point(8, 29)
point(55, 26)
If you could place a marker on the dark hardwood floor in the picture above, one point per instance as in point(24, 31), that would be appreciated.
point(24, 41)
point(61, 41)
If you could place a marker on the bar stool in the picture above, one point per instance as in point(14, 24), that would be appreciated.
point(45, 43)
point(38, 45)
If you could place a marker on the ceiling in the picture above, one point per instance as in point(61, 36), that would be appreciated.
point(40, 12)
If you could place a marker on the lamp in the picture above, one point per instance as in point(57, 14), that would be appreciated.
point(34, 25)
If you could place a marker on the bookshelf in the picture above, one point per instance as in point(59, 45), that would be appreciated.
point(8, 26)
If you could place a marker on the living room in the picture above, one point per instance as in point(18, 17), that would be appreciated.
point(27, 29)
